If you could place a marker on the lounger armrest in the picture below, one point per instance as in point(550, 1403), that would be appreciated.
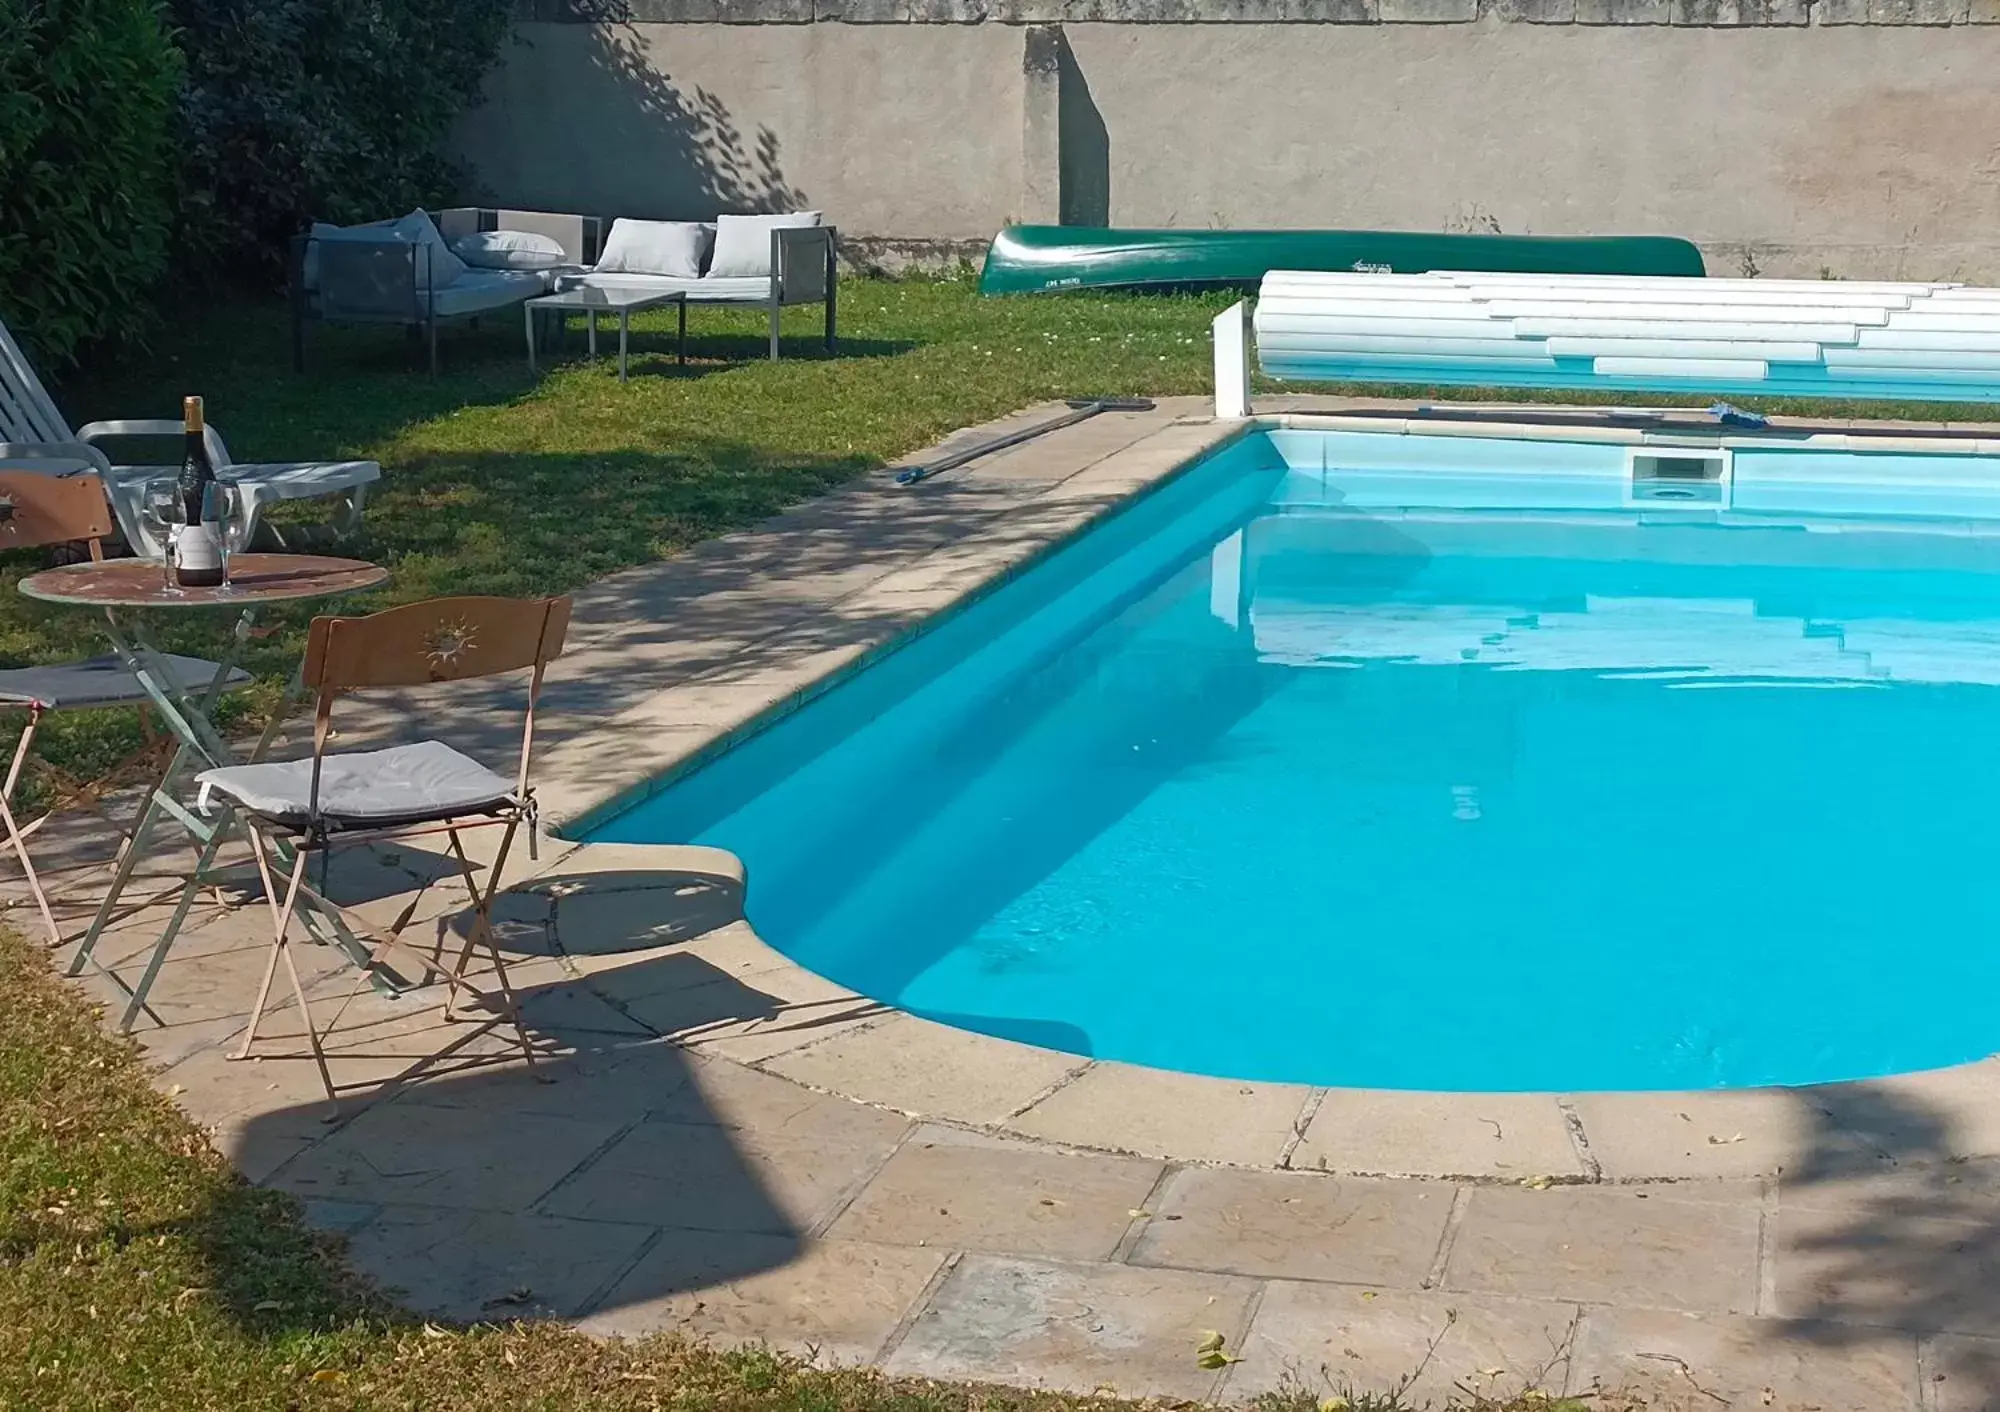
point(155, 426)
point(78, 455)
point(802, 262)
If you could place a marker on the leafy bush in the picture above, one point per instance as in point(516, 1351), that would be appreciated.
point(329, 109)
point(86, 172)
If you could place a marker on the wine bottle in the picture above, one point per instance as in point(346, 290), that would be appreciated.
point(197, 543)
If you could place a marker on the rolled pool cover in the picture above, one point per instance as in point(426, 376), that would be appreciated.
point(1048, 259)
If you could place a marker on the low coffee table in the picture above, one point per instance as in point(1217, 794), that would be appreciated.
point(593, 300)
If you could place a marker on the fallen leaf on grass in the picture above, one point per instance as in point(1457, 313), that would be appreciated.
point(328, 1375)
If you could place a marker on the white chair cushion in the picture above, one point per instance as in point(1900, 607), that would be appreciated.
point(404, 784)
point(743, 243)
point(707, 290)
point(509, 250)
point(671, 248)
point(105, 681)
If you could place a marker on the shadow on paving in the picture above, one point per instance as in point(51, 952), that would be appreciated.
point(625, 1176)
point(1882, 1226)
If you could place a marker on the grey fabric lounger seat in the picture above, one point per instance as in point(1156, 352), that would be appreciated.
point(363, 789)
point(104, 681)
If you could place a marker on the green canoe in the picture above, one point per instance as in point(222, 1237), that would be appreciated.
point(1036, 259)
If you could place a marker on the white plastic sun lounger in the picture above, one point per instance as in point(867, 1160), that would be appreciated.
point(34, 437)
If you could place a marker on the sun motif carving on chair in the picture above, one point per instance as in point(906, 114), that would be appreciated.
point(448, 642)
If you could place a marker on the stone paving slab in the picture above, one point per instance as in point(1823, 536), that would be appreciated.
point(837, 1301)
point(941, 1189)
point(1895, 1268)
point(919, 1067)
point(1300, 1226)
point(474, 1266)
point(1609, 1245)
point(1128, 1109)
point(1677, 1360)
point(700, 1176)
point(1505, 1135)
point(457, 1158)
point(1333, 1340)
point(1075, 1328)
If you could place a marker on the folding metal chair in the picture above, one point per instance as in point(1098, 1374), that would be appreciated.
point(333, 800)
point(37, 510)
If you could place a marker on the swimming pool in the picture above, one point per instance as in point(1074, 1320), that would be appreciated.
point(1428, 762)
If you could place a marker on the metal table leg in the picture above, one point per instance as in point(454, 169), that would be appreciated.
point(591, 316)
point(200, 746)
point(681, 338)
point(624, 328)
point(531, 335)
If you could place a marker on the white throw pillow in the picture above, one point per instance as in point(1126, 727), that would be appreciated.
point(654, 248)
point(509, 250)
point(743, 243)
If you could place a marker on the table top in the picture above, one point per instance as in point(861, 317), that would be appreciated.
point(592, 296)
point(253, 578)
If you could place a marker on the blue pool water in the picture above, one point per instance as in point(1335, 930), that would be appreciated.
point(1346, 760)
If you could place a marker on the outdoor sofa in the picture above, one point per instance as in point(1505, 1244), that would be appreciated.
point(423, 270)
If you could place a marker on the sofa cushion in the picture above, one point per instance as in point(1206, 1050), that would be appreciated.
point(674, 248)
point(477, 291)
point(419, 229)
point(413, 229)
point(706, 290)
point(743, 243)
point(509, 250)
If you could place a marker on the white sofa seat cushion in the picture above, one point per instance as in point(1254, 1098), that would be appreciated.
point(477, 291)
point(706, 290)
point(673, 248)
point(743, 243)
point(509, 250)
point(404, 784)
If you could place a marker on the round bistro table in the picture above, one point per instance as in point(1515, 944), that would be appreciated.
point(124, 589)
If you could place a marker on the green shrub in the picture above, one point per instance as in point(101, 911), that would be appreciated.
point(329, 109)
point(86, 170)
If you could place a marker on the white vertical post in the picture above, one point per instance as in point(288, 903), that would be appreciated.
point(1232, 362)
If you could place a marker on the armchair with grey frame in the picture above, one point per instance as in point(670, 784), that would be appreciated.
point(378, 274)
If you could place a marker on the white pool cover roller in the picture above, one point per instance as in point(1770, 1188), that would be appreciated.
point(1821, 338)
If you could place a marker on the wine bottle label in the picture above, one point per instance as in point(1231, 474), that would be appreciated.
point(195, 550)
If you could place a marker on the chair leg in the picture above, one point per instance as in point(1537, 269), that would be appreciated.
point(16, 838)
point(481, 932)
point(281, 949)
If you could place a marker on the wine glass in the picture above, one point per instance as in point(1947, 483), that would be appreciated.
point(160, 507)
point(227, 507)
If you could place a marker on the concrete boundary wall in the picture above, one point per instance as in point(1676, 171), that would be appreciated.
point(1848, 138)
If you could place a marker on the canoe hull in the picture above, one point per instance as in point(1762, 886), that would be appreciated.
point(1047, 259)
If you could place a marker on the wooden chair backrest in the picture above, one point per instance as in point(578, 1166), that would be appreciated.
point(50, 509)
point(438, 640)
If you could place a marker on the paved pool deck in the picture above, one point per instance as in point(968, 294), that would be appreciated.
point(728, 1145)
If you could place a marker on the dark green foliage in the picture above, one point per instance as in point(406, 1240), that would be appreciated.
point(331, 109)
point(86, 107)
